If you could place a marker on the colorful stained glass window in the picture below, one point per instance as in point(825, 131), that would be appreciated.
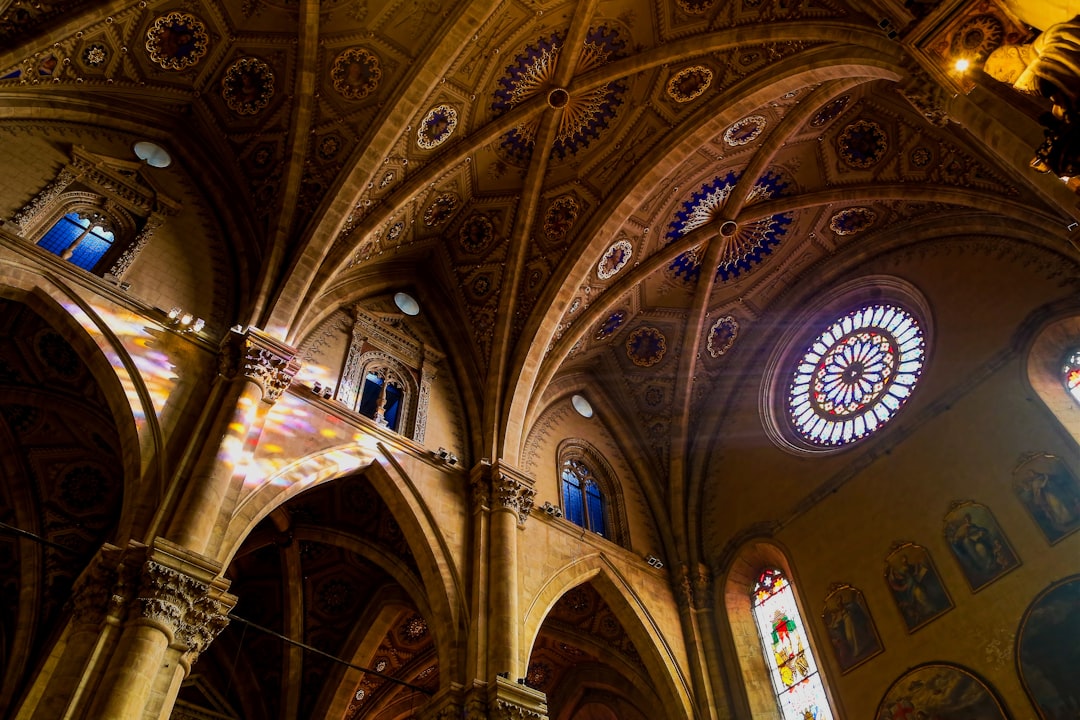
point(1070, 374)
point(81, 240)
point(794, 673)
point(583, 500)
point(855, 376)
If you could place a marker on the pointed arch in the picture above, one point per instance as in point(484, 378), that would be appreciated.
point(1053, 345)
point(439, 575)
point(759, 698)
point(664, 663)
point(610, 513)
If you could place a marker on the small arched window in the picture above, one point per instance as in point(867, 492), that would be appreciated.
point(589, 491)
point(382, 397)
point(794, 673)
point(583, 500)
point(81, 237)
point(1070, 373)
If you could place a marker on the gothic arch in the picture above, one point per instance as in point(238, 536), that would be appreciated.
point(664, 663)
point(440, 577)
point(1045, 358)
point(606, 479)
point(758, 698)
point(90, 336)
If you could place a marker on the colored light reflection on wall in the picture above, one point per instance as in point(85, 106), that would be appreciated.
point(136, 335)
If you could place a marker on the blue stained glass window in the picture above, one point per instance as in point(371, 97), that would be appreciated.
point(583, 500)
point(369, 401)
point(594, 501)
point(88, 242)
point(573, 499)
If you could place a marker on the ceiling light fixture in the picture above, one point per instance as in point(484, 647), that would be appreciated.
point(584, 409)
point(153, 154)
point(406, 303)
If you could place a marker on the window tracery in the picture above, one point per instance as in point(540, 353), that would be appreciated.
point(590, 495)
point(98, 213)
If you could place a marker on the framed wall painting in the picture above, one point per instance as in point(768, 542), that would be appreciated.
point(978, 543)
point(915, 584)
point(941, 691)
point(1048, 650)
point(1050, 492)
point(852, 633)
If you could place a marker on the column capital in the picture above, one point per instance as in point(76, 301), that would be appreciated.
point(181, 594)
point(267, 362)
point(498, 486)
point(508, 700)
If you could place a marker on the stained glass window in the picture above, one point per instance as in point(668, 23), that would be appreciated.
point(856, 375)
point(82, 240)
point(791, 663)
point(380, 399)
point(1070, 373)
point(583, 500)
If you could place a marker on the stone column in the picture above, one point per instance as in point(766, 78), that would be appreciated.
point(180, 605)
point(255, 371)
point(511, 500)
point(694, 598)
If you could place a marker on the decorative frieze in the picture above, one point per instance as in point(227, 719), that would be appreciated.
point(128, 256)
point(26, 216)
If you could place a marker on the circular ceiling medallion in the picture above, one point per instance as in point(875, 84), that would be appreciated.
point(177, 41)
point(95, 55)
point(745, 131)
point(852, 221)
point(440, 209)
point(722, 335)
point(248, 86)
point(614, 321)
point(830, 111)
point(437, 126)
point(646, 346)
point(856, 375)
point(689, 83)
point(614, 259)
point(584, 116)
point(977, 38)
point(862, 144)
point(747, 246)
point(476, 233)
point(356, 73)
point(329, 146)
point(560, 217)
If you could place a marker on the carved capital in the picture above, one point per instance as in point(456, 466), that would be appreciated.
point(204, 621)
point(500, 487)
point(514, 701)
point(167, 595)
point(270, 364)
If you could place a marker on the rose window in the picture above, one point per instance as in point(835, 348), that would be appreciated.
point(856, 375)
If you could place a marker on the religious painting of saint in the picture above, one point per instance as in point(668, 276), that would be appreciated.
point(942, 692)
point(1050, 492)
point(978, 544)
point(852, 633)
point(915, 585)
point(1048, 649)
